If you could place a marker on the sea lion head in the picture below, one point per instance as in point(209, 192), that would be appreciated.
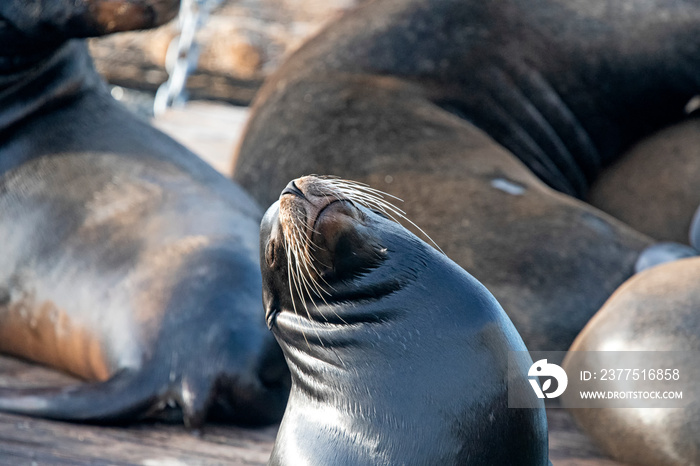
point(328, 241)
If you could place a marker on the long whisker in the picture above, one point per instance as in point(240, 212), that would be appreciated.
point(312, 271)
point(304, 276)
point(290, 279)
point(374, 199)
point(299, 255)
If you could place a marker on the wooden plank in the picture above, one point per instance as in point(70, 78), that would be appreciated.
point(210, 130)
point(242, 43)
point(28, 441)
point(569, 446)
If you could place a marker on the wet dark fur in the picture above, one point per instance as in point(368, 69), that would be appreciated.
point(403, 361)
point(127, 260)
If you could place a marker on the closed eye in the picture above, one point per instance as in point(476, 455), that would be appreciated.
point(382, 214)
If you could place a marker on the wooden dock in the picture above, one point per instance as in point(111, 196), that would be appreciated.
point(27, 441)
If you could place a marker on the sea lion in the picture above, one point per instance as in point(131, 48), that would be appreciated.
point(467, 110)
point(653, 186)
point(661, 253)
point(397, 355)
point(694, 233)
point(654, 311)
point(29, 28)
point(127, 260)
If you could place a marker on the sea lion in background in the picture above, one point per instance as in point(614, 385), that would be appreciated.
point(397, 355)
point(695, 230)
point(126, 259)
point(654, 186)
point(25, 26)
point(656, 310)
point(394, 92)
point(661, 253)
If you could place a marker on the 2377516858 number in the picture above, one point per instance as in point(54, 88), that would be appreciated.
point(640, 374)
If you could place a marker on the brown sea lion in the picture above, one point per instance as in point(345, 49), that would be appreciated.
point(397, 355)
point(655, 311)
point(467, 110)
point(653, 187)
point(126, 259)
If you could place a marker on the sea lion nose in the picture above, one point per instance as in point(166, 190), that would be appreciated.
point(293, 190)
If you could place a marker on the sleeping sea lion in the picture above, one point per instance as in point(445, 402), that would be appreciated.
point(127, 260)
point(472, 112)
point(397, 355)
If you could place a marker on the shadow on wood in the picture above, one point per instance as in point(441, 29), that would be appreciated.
point(28, 441)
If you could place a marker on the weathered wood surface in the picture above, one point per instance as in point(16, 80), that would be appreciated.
point(241, 43)
point(28, 441)
point(210, 130)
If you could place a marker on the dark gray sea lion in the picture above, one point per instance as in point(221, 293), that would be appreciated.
point(126, 260)
point(695, 230)
point(397, 355)
point(655, 311)
point(467, 110)
point(661, 253)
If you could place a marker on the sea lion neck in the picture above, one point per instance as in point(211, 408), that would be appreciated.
point(363, 316)
point(57, 77)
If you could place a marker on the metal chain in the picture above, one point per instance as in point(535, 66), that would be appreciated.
point(183, 54)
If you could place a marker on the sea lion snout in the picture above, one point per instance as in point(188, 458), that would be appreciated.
point(310, 195)
point(292, 189)
point(332, 230)
point(321, 234)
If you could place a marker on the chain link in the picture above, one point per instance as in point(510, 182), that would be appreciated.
point(183, 54)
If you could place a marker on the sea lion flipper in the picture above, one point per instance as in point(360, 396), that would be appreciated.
point(195, 397)
point(127, 395)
